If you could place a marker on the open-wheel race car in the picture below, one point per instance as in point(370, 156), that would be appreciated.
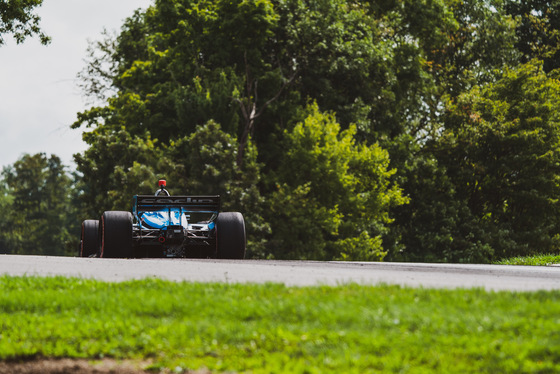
point(166, 226)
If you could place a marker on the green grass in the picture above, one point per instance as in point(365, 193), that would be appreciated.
point(537, 260)
point(276, 329)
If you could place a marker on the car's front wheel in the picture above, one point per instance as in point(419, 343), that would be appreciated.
point(116, 235)
point(231, 237)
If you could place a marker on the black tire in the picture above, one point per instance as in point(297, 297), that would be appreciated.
point(116, 235)
point(89, 243)
point(231, 237)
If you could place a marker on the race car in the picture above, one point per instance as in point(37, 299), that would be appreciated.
point(166, 226)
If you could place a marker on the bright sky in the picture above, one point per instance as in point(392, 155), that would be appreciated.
point(39, 96)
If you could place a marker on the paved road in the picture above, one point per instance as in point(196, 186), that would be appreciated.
point(291, 273)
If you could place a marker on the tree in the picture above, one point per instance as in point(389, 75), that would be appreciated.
point(336, 194)
point(437, 225)
point(17, 18)
point(97, 77)
point(482, 42)
point(501, 150)
point(6, 202)
point(538, 30)
point(180, 64)
point(41, 218)
point(114, 168)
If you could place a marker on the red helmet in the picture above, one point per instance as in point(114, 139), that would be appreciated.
point(162, 191)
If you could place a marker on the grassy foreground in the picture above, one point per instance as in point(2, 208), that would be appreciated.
point(275, 329)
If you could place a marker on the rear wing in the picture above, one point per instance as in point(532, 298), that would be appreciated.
point(201, 204)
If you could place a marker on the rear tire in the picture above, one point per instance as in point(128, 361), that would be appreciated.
point(231, 237)
point(89, 243)
point(116, 235)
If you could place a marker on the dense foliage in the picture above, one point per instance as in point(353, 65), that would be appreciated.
point(354, 130)
point(37, 207)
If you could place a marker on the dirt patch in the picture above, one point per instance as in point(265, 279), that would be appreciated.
point(72, 366)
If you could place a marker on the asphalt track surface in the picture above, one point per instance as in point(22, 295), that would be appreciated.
point(290, 273)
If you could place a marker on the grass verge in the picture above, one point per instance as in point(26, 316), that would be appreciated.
point(537, 260)
point(276, 329)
